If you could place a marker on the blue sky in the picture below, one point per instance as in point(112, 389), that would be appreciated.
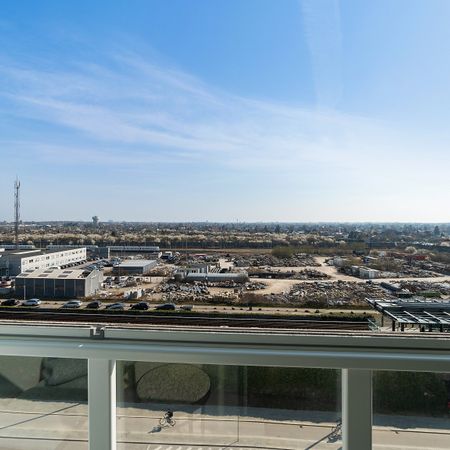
point(249, 110)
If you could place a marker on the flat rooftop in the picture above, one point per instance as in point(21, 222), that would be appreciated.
point(136, 263)
point(63, 274)
point(23, 253)
point(36, 251)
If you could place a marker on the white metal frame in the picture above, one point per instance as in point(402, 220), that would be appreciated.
point(357, 355)
point(102, 404)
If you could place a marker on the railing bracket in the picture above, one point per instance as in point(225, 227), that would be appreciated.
point(97, 332)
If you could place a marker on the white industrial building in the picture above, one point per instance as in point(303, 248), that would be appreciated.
point(212, 277)
point(13, 262)
point(205, 272)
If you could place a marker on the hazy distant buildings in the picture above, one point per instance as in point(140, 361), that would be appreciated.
point(150, 251)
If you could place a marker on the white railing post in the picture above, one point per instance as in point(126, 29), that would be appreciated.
point(356, 409)
point(102, 404)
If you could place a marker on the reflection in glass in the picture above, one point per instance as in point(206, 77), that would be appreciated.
point(43, 403)
point(411, 409)
point(226, 406)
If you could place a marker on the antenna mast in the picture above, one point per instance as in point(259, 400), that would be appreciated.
point(16, 211)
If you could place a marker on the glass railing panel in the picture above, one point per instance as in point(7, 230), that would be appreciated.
point(43, 403)
point(411, 410)
point(226, 407)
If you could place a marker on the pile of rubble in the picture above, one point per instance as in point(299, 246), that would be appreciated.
point(199, 297)
point(188, 259)
point(161, 271)
point(426, 287)
point(413, 271)
point(437, 267)
point(325, 295)
point(200, 292)
point(310, 274)
point(195, 292)
point(192, 289)
point(254, 286)
point(304, 274)
point(225, 284)
point(297, 260)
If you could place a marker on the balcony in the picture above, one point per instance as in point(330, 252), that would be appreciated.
point(79, 387)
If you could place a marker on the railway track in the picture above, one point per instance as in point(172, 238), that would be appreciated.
point(178, 319)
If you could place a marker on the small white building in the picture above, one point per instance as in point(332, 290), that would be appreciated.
point(369, 274)
point(337, 261)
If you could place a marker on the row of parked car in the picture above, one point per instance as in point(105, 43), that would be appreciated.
point(15, 302)
point(96, 304)
point(99, 265)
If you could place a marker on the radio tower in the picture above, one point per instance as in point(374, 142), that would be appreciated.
point(16, 211)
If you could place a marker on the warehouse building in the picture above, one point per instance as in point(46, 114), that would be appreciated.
point(58, 283)
point(135, 267)
point(135, 248)
point(105, 252)
point(17, 247)
point(148, 251)
point(14, 262)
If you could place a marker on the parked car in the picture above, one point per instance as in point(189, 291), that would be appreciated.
point(186, 307)
point(141, 306)
point(72, 304)
point(166, 307)
point(31, 302)
point(94, 305)
point(10, 302)
point(116, 307)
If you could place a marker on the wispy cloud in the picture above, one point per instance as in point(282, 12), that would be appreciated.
point(322, 24)
point(131, 103)
point(134, 109)
point(102, 110)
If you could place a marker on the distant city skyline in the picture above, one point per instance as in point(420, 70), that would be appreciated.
point(230, 223)
point(257, 111)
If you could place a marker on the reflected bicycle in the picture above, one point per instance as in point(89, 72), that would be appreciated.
point(167, 421)
point(336, 432)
